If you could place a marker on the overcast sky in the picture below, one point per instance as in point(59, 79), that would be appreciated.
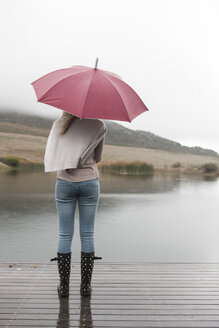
point(167, 51)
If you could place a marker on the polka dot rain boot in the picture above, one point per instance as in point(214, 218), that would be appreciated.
point(64, 268)
point(87, 262)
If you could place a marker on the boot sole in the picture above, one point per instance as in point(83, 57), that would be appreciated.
point(62, 295)
point(86, 293)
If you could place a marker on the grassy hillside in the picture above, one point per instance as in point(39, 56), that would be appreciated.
point(32, 148)
point(117, 134)
point(27, 139)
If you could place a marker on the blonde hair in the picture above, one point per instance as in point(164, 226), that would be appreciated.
point(66, 119)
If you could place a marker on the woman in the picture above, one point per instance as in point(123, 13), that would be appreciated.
point(74, 146)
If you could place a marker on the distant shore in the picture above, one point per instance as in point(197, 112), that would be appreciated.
point(9, 163)
point(32, 148)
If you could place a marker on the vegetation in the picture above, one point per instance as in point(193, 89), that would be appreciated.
point(117, 134)
point(136, 167)
point(176, 165)
point(122, 136)
point(25, 136)
point(20, 163)
point(209, 167)
point(10, 160)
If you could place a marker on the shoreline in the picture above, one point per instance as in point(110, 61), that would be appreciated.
point(28, 166)
point(30, 150)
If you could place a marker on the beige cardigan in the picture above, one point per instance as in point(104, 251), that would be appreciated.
point(74, 147)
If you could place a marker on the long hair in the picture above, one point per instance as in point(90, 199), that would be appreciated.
point(66, 119)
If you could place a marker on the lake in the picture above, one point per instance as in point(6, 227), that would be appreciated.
point(161, 218)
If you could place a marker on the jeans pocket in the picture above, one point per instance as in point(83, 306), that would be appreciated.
point(63, 190)
point(93, 184)
point(91, 188)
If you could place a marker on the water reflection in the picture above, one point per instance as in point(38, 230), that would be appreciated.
point(159, 218)
point(19, 182)
point(63, 317)
point(110, 183)
point(85, 319)
point(85, 313)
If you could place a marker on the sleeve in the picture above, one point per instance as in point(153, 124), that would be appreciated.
point(93, 146)
point(98, 150)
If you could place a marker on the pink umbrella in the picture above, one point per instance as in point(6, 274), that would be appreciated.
point(89, 93)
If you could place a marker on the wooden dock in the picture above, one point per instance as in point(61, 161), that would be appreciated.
point(124, 295)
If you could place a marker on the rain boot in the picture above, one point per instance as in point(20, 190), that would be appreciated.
point(87, 262)
point(64, 268)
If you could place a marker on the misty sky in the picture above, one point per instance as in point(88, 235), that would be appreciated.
point(167, 51)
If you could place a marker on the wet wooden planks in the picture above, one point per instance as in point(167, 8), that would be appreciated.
point(124, 295)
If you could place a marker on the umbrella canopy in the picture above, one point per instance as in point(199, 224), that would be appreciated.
point(89, 92)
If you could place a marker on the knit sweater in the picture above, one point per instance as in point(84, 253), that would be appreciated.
point(88, 171)
point(75, 146)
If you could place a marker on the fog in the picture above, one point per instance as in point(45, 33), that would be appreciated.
point(167, 51)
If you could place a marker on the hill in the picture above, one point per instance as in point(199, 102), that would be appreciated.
point(117, 135)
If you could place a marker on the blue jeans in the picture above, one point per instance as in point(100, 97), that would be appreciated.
point(66, 195)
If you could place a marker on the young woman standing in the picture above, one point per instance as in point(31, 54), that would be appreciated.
point(73, 148)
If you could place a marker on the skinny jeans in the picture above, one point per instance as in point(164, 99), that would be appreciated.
point(67, 195)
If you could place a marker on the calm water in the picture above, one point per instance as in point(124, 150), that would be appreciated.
point(156, 219)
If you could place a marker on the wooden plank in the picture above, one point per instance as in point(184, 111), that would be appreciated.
point(119, 317)
point(121, 298)
point(34, 313)
point(124, 295)
point(108, 324)
point(116, 324)
point(112, 322)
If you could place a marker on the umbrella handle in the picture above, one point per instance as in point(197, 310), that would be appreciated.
point(96, 63)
